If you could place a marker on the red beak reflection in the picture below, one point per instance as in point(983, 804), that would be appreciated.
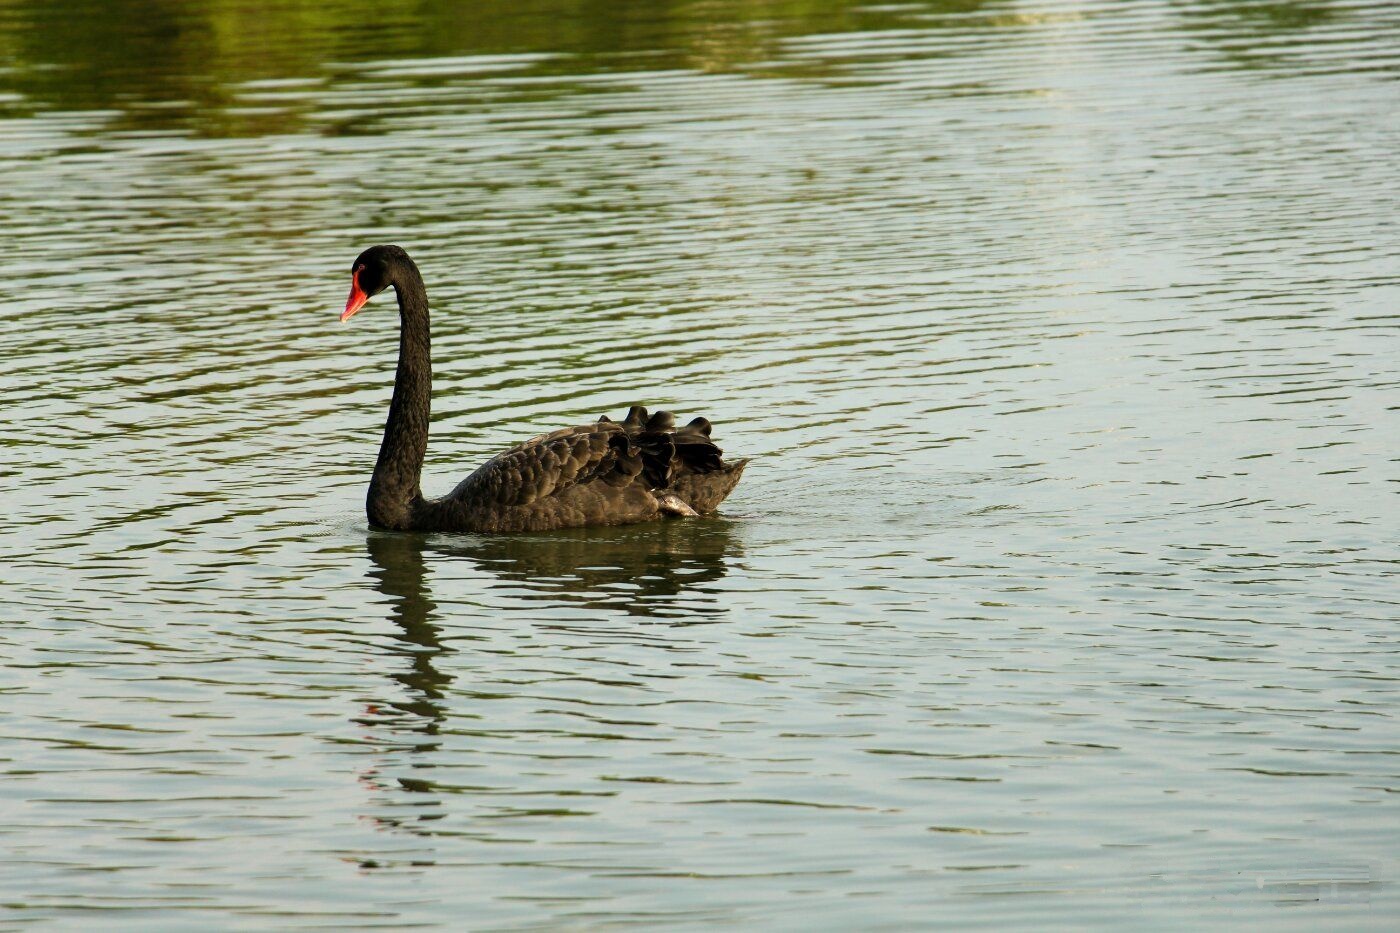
point(357, 298)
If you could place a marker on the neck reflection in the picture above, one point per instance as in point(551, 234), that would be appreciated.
point(401, 573)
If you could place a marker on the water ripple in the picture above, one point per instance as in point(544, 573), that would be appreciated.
point(1061, 337)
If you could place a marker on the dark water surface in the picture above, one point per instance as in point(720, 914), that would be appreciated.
point(1061, 590)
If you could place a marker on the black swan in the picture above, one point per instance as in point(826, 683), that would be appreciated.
point(606, 473)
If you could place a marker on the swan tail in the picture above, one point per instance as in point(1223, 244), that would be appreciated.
point(682, 461)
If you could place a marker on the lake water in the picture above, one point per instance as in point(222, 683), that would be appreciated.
point(1061, 589)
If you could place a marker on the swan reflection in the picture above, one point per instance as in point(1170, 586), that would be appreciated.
point(662, 570)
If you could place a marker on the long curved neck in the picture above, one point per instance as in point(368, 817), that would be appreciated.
point(395, 497)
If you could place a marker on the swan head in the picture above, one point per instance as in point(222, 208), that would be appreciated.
point(372, 272)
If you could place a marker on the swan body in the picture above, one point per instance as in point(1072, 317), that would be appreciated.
point(605, 473)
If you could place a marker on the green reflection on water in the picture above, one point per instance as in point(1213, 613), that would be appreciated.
point(185, 64)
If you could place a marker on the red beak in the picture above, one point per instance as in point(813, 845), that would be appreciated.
point(357, 298)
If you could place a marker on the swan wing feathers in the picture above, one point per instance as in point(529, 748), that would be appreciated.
point(642, 448)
